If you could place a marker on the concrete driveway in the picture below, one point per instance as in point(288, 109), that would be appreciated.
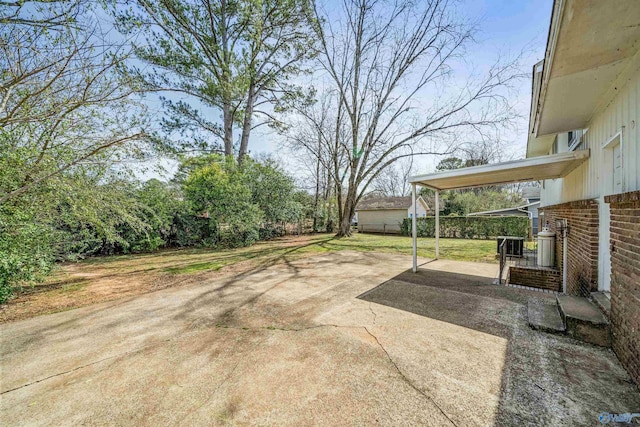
point(345, 338)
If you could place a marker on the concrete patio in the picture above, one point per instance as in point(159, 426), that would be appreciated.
point(342, 338)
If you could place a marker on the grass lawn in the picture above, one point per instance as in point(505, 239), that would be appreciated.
point(455, 249)
point(102, 279)
point(185, 261)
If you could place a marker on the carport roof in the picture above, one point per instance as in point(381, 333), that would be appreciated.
point(531, 169)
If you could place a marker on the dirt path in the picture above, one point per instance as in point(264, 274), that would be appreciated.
point(101, 279)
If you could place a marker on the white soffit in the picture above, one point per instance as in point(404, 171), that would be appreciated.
point(539, 146)
point(531, 169)
point(593, 47)
point(572, 99)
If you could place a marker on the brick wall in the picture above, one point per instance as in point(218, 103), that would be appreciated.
point(625, 279)
point(536, 277)
point(582, 244)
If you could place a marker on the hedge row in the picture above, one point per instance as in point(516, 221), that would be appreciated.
point(474, 227)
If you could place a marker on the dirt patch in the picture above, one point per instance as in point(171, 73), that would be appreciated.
point(107, 278)
point(102, 279)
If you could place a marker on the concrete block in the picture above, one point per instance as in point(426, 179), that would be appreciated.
point(584, 321)
point(544, 317)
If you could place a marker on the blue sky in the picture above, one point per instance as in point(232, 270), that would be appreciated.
point(513, 21)
point(512, 26)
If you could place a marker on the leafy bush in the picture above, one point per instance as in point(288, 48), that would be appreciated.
point(192, 230)
point(26, 255)
point(474, 227)
point(270, 231)
point(212, 202)
point(463, 202)
point(247, 202)
point(241, 228)
point(271, 190)
point(218, 191)
point(71, 217)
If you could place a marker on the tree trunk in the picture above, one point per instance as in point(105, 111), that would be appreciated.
point(317, 195)
point(227, 115)
point(347, 212)
point(339, 202)
point(345, 227)
point(227, 118)
point(326, 199)
point(246, 124)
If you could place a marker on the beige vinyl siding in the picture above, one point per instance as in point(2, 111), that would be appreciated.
point(381, 221)
point(420, 210)
point(585, 181)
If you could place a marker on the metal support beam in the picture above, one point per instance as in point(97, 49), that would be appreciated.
point(564, 260)
point(414, 229)
point(437, 224)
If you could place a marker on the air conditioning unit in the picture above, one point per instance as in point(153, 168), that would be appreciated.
point(514, 246)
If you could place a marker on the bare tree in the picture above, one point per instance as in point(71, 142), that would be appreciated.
point(320, 135)
point(62, 103)
point(387, 63)
point(394, 179)
point(51, 14)
point(482, 152)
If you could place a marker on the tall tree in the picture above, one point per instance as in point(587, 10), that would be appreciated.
point(322, 134)
point(387, 63)
point(233, 56)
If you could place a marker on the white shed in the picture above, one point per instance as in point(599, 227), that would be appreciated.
point(385, 214)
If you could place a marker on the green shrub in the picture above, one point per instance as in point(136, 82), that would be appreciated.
point(270, 231)
point(213, 202)
point(26, 255)
point(469, 227)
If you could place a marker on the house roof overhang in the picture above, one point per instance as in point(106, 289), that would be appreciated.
point(521, 209)
point(393, 207)
point(523, 170)
point(592, 49)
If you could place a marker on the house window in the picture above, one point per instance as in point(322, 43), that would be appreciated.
point(575, 139)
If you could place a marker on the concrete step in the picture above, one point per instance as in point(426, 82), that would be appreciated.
point(584, 321)
point(603, 301)
point(544, 317)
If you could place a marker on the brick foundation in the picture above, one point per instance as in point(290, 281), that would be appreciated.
point(582, 244)
point(625, 279)
point(536, 277)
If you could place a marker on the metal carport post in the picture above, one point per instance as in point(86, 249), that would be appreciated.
point(414, 226)
point(414, 231)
